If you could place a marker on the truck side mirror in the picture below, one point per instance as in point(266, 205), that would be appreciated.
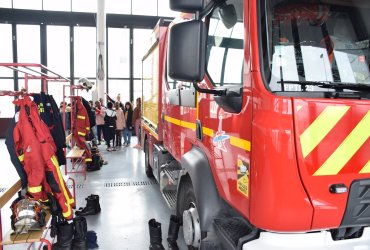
point(187, 51)
point(187, 6)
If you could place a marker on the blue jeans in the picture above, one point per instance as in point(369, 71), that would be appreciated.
point(127, 133)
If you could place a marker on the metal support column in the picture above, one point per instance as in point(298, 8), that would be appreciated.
point(101, 29)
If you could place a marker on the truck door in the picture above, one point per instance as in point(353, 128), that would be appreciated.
point(227, 131)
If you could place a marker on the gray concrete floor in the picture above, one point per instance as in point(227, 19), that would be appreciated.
point(127, 197)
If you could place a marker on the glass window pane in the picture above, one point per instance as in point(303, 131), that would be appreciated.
point(5, 3)
point(233, 67)
point(164, 9)
point(82, 6)
point(28, 43)
point(137, 89)
point(144, 7)
point(6, 48)
point(121, 87)
point(6, 105)
point(27, 4)
point(57, 5)
point(34, 86)
point(56, 90)
point(214, 66)
point(141, 46)
point(118, 6)
point(58, 49)
point(85, 52)
point(118, 52)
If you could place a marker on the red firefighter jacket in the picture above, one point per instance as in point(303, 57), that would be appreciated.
point(81, 126)
point(44, 151)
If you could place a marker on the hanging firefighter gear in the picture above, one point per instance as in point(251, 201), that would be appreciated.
point(50, 115)
point(81, 126)
point(9, 141)
point(36, 149)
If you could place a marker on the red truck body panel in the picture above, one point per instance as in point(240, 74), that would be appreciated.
point(274, 161)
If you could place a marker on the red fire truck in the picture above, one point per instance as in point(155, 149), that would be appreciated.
point(256, 122)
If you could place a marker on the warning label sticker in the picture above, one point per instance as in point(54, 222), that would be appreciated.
point(243, 176)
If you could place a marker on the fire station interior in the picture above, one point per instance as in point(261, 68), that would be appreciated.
point(184, 124)
point(62, 35)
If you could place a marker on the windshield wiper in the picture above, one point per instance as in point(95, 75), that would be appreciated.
point(330, 85)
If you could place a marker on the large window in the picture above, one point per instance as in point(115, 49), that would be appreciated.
point(119, 53)
point(6, 105)
point(34, 86)
point(164, 9)
point(85, 52)
point(27, 4)
point(6, 49)
point(144, 7)
point(58, 47)
point(7, 82)
point(28, 43)
point(57, 5)
point(121, 87)
point(141, 46)
point(118, 6)
point(84, 5)
point(5, 3)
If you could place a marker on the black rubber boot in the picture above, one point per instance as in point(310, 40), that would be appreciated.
point(173, 232)
point(79, 240)
point(92, 206)
point(155, 232)
point(95, 198)
point(64, 236)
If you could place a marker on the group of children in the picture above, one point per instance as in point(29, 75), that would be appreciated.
point(117, 120)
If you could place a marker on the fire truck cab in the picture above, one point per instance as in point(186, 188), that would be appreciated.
point(256, 122)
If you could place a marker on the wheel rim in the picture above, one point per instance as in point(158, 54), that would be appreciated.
point(191, 226)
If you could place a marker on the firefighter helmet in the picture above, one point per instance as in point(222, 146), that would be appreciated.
point(86, 83)
point(27, 215)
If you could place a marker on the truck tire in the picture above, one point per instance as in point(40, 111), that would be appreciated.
point(187, 210)
point(148, 168)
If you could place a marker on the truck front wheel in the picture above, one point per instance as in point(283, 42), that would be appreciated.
point(187, 210)
point(148, 168)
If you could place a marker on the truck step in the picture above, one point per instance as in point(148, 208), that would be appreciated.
point(169, 176)
point(170, 196)
point(172, 175)
point(232, 230)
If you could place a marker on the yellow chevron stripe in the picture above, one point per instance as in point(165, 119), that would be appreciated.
point(347, 148)
point(319, 128)
point(366, 168)
point(240, 143)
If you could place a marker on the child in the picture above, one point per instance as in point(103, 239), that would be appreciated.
point(110, 125)
point(120, 124)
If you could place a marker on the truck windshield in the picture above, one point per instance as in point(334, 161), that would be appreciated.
point(308, 45)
